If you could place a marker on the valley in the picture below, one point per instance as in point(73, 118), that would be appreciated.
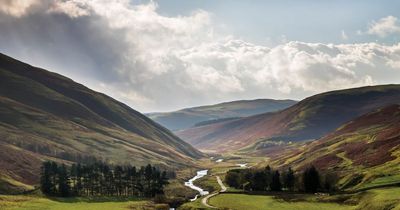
point(360, 157)
point(226, 160)
point(231, 198)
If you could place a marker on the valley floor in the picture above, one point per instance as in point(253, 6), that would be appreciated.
point(261, 202)
point(22, 202)
point(373, 199)
point(386, 198)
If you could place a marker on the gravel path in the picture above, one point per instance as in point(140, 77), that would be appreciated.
point(204, 201)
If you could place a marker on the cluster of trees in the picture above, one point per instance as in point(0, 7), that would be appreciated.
point(273, 180)
point(100, 179)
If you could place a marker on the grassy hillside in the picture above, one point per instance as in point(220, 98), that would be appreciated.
point(189, 117)
point(311, 118)
point(363, 153)
point(45, 116)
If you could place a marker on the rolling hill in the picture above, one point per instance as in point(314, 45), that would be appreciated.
point(186, 118)
point(309, 119)
point(364, 152)
point(45, 116)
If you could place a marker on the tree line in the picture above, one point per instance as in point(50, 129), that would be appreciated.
point(101, 179)
point(267, 179)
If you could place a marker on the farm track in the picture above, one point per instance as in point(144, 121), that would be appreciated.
point(204, 201)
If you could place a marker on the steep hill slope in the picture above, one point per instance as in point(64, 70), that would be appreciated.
point(364, 152)
point(311, 118)
point(189, 117)
point(45, 116)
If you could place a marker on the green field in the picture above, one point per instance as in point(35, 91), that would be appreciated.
point(10, 202)
point(378, 199)
point(195, 205)
point(261, 202)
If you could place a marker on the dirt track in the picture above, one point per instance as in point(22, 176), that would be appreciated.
point(204, 201)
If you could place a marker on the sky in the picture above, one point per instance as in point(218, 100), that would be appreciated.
point(167, 55)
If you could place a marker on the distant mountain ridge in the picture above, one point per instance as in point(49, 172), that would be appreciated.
point(310, 118)
point(46, 116)
point(189, 117)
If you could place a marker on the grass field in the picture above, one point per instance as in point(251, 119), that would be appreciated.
point(261, 202)
point(195, 205)
point(10, 202)
point(377, 199)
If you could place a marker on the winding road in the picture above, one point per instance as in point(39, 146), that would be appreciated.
point(204, 201)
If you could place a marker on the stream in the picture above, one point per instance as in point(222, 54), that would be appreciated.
point(242, 165)
point(190, 184)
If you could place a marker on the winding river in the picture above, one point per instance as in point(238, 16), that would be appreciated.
point(190, 184)
point(201, 174)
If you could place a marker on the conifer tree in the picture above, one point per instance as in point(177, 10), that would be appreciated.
point(232, 178)
point(258, 181)
point(148, 176)
point(45, 180)
point(63, 181)
point(268, 177)
point(78, 187)
point(118, 179)
point(276, 182)
point(53, 174)
point(289, 179)
point(311, 180)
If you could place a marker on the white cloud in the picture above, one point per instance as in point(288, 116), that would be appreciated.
point(72, 8)
point(155, 62)
point(17, 8)
point(385, 26)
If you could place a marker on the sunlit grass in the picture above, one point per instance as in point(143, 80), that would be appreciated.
point(387, 198)
point(195, 205)
point(41, 203)
point(261, 202)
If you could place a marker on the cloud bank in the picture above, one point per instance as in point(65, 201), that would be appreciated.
point(155, 62)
